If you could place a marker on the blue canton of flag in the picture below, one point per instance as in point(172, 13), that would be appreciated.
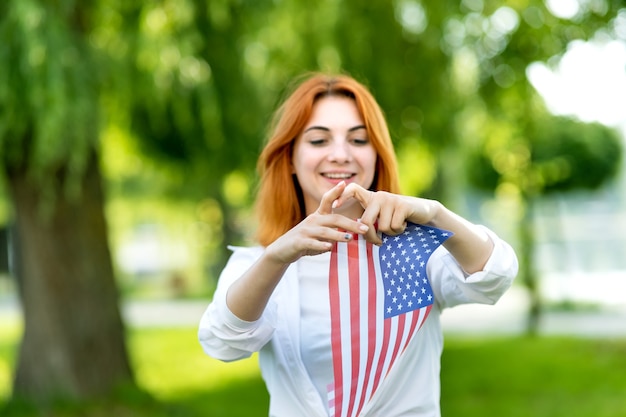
point(403, 261)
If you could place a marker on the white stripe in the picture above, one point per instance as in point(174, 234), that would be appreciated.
point(344, 317)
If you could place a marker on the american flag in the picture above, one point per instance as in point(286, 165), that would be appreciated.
point(379, 298)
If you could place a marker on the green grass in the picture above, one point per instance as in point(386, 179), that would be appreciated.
point(538, 377)
point(496, 376)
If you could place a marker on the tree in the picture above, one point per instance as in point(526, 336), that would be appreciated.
point(553, 155)
point(523, 151)
point(73, 342)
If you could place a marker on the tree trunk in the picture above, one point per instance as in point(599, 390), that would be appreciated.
point(527, 267)
point(73, 344)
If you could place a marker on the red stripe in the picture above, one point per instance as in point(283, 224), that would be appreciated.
point(335, 330)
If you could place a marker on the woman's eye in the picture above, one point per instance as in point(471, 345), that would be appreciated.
point(360, 142)
point(317, 142)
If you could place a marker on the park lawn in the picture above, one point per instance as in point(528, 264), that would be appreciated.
point(495, 376)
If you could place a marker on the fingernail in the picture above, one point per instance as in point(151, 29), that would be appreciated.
point(335, 204)
point(364, 228)
point(347, 236)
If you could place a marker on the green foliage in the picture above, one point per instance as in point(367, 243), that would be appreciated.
point(559, 154)
point(575, 155)
point(49, 109)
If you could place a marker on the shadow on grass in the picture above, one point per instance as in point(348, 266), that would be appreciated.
point(246, 397)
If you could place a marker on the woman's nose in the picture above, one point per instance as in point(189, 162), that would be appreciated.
point(340, 152)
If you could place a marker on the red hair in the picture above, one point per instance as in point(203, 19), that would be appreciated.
point(279, 204)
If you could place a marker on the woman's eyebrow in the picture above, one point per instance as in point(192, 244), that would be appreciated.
point(317, 128)
point(352, 129)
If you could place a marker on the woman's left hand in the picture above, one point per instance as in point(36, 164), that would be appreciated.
point(470, 245)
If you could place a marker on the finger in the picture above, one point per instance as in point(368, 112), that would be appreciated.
point(355, 191)
point(398, 222)
point(342, 224)
point(373, 236)
point(326, 205)
point(371, 215)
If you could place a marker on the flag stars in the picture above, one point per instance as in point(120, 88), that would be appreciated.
point(403, 258)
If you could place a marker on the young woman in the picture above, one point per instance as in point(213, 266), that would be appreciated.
point(329, 178)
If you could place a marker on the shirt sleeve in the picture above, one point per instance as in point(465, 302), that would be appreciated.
point(453, 286)
point(223, 335)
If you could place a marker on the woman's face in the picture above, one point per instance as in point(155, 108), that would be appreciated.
point(334, 146)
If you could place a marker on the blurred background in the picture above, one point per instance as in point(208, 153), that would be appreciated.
point(129, 132)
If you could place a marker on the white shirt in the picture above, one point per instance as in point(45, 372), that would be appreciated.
point(315, 320)
point(412, 386)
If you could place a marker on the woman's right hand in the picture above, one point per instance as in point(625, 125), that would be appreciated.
point(317, 232)
point(247, 297)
